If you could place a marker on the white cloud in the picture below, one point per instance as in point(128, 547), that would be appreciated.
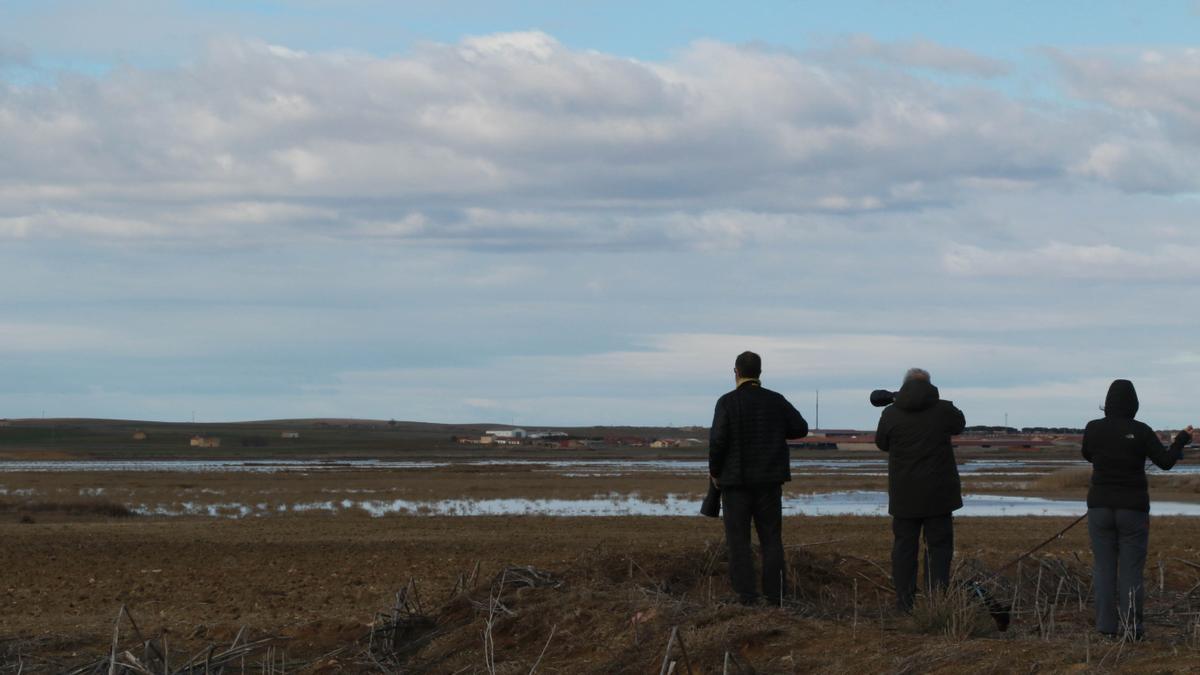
point(921, 53)
point(1081, 261)
point(510, 226)
point(515, 139)
point(1158, 85)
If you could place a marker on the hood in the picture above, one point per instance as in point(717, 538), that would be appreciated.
point(1122, 400)
point(916, 395)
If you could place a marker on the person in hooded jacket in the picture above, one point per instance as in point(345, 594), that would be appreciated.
point(749, 460)
point(923, 484)
point(1118, 502)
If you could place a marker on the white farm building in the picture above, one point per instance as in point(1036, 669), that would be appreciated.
point(507, 433)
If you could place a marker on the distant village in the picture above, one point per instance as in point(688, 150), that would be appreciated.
point(981, 437)
point(203, 441)
point(562, 440)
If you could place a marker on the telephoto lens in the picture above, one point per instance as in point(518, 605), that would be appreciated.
point(882, 397)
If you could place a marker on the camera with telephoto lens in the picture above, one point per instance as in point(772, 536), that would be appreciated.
point(882, 397)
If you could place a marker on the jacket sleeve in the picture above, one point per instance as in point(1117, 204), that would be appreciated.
point(1163, 457)
point(881, 432)
point(797, 426)
point(956, 422)
point(1084, 448)
point(718, 439)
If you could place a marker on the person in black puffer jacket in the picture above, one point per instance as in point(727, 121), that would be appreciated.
point(923, 485)
point(1118, 502)
point(749, 460)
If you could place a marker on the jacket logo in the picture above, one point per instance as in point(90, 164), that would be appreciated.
point(1130, 436)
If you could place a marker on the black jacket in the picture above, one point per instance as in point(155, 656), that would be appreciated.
point(915, 431)
point(1118, 445)
point(748, 441)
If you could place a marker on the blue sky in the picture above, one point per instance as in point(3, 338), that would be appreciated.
point(637, 29)
point(575, 213)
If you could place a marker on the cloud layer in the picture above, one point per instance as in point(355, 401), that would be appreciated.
point(515, 138)
point(508, 226)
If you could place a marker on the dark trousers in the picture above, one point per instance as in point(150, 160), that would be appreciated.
point(939, 552)
point(1119, 540)
point(763, 505)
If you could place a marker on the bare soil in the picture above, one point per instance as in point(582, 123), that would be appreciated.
point(622, 584)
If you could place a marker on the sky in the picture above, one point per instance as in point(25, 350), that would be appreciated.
point(547, 213)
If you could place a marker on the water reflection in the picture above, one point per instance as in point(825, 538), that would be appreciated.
point(874, 466)
point(847, 503)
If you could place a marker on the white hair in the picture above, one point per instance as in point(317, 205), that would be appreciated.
point(916, 374)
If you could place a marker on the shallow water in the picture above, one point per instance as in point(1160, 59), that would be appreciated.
point(210, 465)
point(874, 466)
point(848, 503)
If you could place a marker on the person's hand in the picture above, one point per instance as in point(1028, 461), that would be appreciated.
point(716, 483)
point(1188, 432)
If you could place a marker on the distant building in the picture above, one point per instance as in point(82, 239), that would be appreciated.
point(546, 434)
point(205, 442)
point(5, 423)
point(290, 434)
point(506, 433)
point(566, 443)
point(631, 441)
point(139, 435)
point(665, 443)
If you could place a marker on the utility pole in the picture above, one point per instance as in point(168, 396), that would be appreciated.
point(1005, 420)
point(817, 421)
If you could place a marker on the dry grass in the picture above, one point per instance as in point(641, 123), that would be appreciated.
point(1180, 483)
point(608, 612)
point(80, 507)
point(952, 612)
point(605, 608)
point(1074, 478)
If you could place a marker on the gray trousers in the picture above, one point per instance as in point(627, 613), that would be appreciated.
point(1119, 540)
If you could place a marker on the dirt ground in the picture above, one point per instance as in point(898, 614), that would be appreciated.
point(318, 580)
point(603, 596)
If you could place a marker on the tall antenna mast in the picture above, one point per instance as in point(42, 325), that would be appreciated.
point(817, 421)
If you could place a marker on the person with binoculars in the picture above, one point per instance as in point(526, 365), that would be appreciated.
point(1118, 503)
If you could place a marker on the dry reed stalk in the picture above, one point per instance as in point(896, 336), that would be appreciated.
point(489, 643)
point(666, 662)
point(544, 648)
point(854, 624)
point(683, 650)
point(953, 612)
point(880, 601)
